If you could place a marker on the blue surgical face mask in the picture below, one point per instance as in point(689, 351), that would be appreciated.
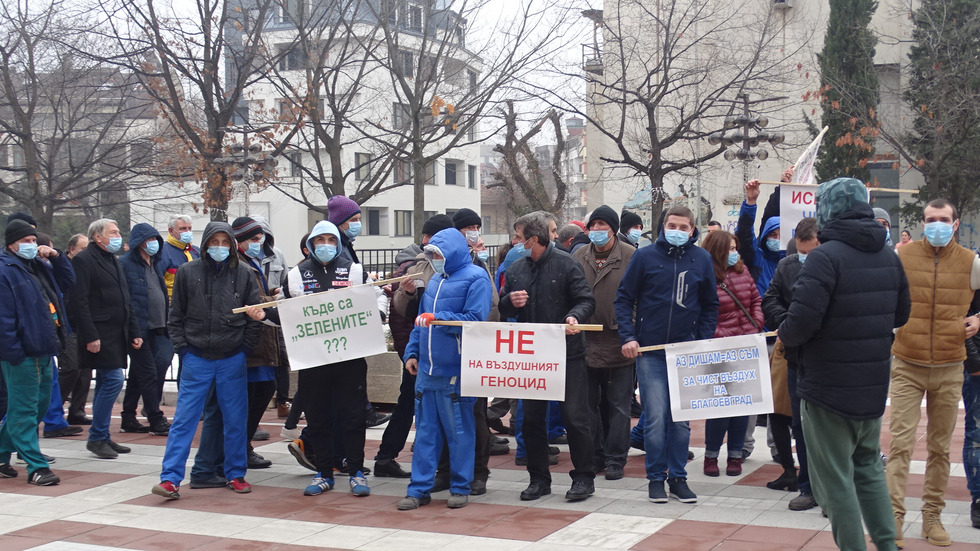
point(888, 240)
point(733, 258)
point(187, 237)
point(27, 251)
point(802, 257)
point(353, 230)
point(325, 252)
point(439, 265)
point(483, 255)
point(635, 234)
point(153, 247)
point(218, 253)
point(114, 244)
point(772, 244)
point(254, 249)
point(939, 234)
point(676, 237)
point(522, 251)
point(599, 237)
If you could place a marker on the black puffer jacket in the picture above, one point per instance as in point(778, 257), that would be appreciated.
point(556, 289)
point(779, 295)
point(850, 295)
point(972, 363)
point(205, 293)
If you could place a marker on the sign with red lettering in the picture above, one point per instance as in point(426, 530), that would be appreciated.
point(513, 360)
point(795, 204)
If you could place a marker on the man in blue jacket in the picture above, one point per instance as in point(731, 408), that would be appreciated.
point(850, 294)
point(147, 365)
point(459, 291)
point(31, 325)
point(667, 295)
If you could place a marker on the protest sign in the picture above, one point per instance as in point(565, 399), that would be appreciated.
point(717, 378)
point(325, 328)
point(513, 360)
point(795, 203)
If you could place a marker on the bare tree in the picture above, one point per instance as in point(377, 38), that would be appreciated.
point(664, 76)
point(75, 133)
point(523, 175)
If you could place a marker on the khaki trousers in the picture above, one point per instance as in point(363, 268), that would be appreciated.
point(942, 387)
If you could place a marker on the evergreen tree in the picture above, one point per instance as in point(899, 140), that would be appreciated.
point(849, 90)
point(944, 93)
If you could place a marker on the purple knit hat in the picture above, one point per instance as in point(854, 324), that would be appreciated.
point(340, 209)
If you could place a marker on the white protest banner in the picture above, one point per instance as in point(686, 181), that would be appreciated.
point(513, 360)
point(717, 378)
point(803, 173)
point(796, 202)
point(331, 327)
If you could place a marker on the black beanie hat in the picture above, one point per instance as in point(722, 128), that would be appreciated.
point(466, 217)
point(245, 228)
point(629, 219)
point(18, 229)
point(436, 224)
point(607, 215)
point(22, 216)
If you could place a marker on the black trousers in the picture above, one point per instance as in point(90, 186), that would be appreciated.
point(259, 394)
point(147, 367)
point(393, 439)
point(578, 427)
point(336, 390)
point(74, 380)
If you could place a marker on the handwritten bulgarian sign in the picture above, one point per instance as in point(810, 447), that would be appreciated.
point(717, 378)
point(513, 360)
point(331, 327)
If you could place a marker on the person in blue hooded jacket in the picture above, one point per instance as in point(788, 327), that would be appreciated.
point(763, 254)
point(148, 365)
point(460, 291)
point(667, 295)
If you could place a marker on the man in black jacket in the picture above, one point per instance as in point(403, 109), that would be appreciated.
point(547, 285)
point(851, 293)
point(212, 342)
point(101, 314)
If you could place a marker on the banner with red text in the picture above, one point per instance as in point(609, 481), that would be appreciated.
point(717, 378)
point(795, 203)
point(513, 360)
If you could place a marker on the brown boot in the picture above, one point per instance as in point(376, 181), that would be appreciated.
point(711, 466)
point(933, 531)
point(899, 537)
point(734, 467)
point(282, 410)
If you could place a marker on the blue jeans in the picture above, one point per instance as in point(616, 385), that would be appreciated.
point(971, 437)
point(29, 386)
point(714, 434)
point(108, 383)
point(228, 377)
point(442, 416)
point(665, 441)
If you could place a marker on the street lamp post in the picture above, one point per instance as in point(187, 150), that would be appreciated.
point(250, 165)
point(744, 125)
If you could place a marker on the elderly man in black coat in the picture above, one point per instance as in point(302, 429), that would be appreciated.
point(101, 314)
point(850, 295)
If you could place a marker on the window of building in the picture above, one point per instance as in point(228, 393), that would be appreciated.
point(403, 172)
point(451, 173)
point(472, 76)
point(415, 17)
point(407, 63)
point(362, 166)
point(430, 174)
point(291, 58)
point(373, 225)
point(403, 223)
point(401, 116)
point(471, 176)
point(428, 67)
point(295, 164)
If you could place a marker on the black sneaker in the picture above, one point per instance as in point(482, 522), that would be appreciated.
point(580, 490)
point(390, 468)
point(499, 449)
point(680, 491)
point(975, 513)
point(655, 490)
point(131, 424)
point(101, 449)
point(375, 418)
point(118, 448)
point(256, 461)
point(43, 477)
point(70, 430)
point(161, 428)
point(8, 471)
point(614, 472)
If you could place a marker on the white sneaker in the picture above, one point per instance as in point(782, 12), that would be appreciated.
point(290, 434)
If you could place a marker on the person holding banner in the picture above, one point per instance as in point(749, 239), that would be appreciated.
point(604, 262)
point(739, 313)
point(459, 291)
point(547, 285)
point(850, 295)
point(212, 341)
point(667, 295)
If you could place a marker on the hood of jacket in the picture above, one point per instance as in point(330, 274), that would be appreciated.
point(324, 227)
point(408, 253)
point(771, 225)
point(856, 227)
point(216, 227)
point(140, 233)
point(270, 240)
point(452, 246)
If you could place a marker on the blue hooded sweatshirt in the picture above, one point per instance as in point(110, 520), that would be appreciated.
point(462, 293)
